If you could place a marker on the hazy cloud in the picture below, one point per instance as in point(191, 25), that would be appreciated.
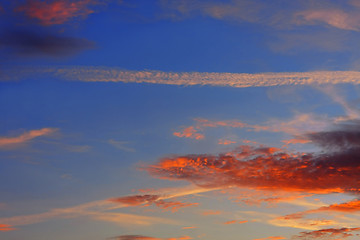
point(34, 43)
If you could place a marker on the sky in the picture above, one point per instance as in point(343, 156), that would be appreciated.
point(179, 119)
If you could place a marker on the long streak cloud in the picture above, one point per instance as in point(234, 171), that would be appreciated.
point(239, 80)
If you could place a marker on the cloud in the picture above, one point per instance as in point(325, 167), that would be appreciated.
point(201, 124)
point(141, 237)
point(56, 11)
point(97, 210)
point(173, 205)
point(10, 142)
point(225, 142)
point(235, 221)
point(237, 80)
point(192, 227)
point(189, 132)
point(271, 238)
point(275, 169)
point(211, 212)
point(333, 17)
point(148, 199)
point(347, 207)
point(6, 228)
point(35, 43)
point(134, 237)
point(329, 233)
point(121, 145)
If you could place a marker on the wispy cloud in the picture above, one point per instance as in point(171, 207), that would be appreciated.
point(271, 238)
point(56, 11)
point(97, 210)
point(235, 221)
point(122, 145)
point(11, 142)
point(6, 228)
point(103, 210)
point(141, 237)
point(238, 80)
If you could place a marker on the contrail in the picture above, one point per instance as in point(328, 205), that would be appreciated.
point(238, 80)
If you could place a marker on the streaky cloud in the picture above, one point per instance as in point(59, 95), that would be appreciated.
point(10, 142)
point(237, 80)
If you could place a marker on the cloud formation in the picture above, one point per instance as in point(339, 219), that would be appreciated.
point(32, 43)
point(237, 80)
point(149, 199)
point(25, 137)
point(56, 11)
point(329, 233)
point(271, 238)
point(6, 228)
point(335, 170)
point(141, 237)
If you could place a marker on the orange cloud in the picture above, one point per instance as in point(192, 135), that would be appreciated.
point(189, 227)
point(235, 221)
point(56, 11)
point(271, 238)
point(149, 199)
point(211, 212)
point(348, 207)
point(140, 237)
point(6, 228)
point(295, 141)
point(201, 123)
point(328, 233)
point(225, 142)
point(25, 137)
point(269, 168)
point(189, 132)
point(172, 205)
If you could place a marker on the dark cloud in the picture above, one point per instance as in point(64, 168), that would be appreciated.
point(35, 43)
point(346, 136)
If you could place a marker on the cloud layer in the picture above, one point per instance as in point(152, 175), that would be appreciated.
point(238, 80)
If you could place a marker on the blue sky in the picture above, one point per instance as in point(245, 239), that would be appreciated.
point(175, 120)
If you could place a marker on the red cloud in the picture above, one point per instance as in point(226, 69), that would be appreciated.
point(6, 228)
point(56, 11)
point(328, 233)
point(266, 168)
